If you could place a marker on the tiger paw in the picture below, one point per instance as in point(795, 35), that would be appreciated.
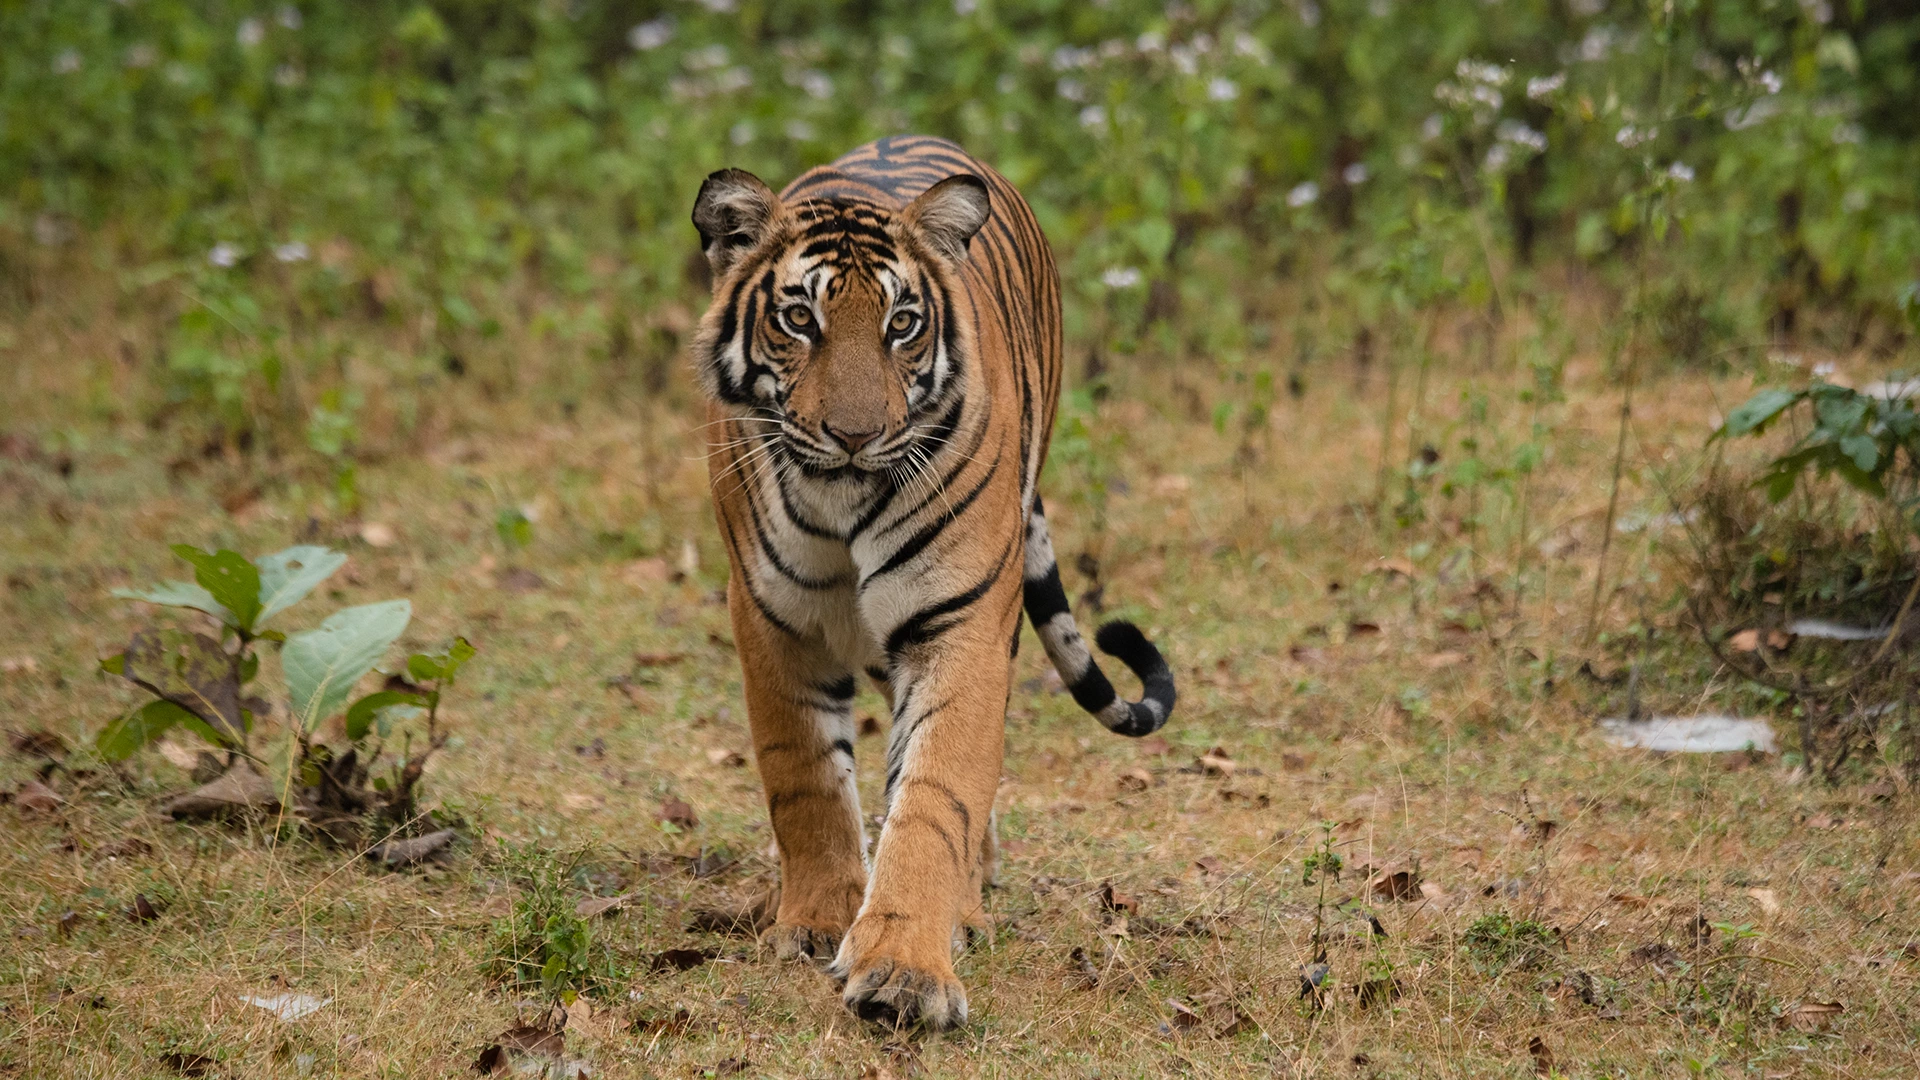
point(897, 990)
point(791, 941)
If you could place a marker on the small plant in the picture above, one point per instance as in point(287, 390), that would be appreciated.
point(1322, 865)
point(1499, 943)
point(204, 685)
point(543, 944)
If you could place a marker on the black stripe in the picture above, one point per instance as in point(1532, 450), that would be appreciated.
point(935, 619)
point(918, 542)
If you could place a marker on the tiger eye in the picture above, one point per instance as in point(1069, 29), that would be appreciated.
point(902, 322)
point(799, 317)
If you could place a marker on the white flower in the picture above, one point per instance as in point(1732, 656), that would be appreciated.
point(287, 75)
point(1432, 127)
point(650, 35)
point(66, 62)
point(741, 133)
point(142, 55)
point(1310, 14)
point(1519, 134)
point(1303, 194)
point(720, 7)
point(1007, 83)
point(734, 78)
point(706, 59)
point(817, 84)
point(292, 252)
point(1355, 174)
point(1475, 71)
point(1770, 82)
point(1093, 116)
point(1847, 133)
point(223, 255)
point(252, 32)
point(1540, 86)
point(1121, 277)
point(1071, 89)
point(964, 8)
point(1680, 172)
point(799, 131)
point(1222, 90)
point(1251, 47)
point(1150, 42)
point(1113, 49)
point(1185, 60)
point(1824, 368)
point(1630, 136)
point(1066, 58)
point(1597, 44)
point(1497, 156)
point(289, 17)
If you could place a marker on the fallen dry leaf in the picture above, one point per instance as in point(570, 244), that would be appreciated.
point(179, 754)
point(1377, 992)
point(38, 797)
point(1769, 903)
point(1745, 641)
point(141, 910)
point(187, 1064)
point(1117, 902)
point(725, 758)
point(1814, 1015)
point(1135, 780)
point(415, 850)
point(1397, 565)
point(518, 579)
point(657, 659)
point(377, 534)
point(1307, 654)
point(1399, 886)
point(1542, 1056)
point(1361, 628)
point(680, 959)
point(1084, 975)
point(1295, 762)
point(68, 922)
point(1216, 762)
point(521, 1042)
point(37, 743)
point(1153, 746)
point(1184, 1018)
point(592, 907)
point(1630, 900)
point(19, 665)
point(288, 1007)
point(1171, 484)
point(580, 800)
point(1448, 658)
point(1432, 891)
point(1208, 865)
point(677, 813)
point(1585, 852)
point(127, 847)
point(239, 789)
point(869, 726)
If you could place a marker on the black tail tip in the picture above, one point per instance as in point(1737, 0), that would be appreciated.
point(1124, 641)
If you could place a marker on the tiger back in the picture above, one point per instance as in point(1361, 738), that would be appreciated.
point(882, 360)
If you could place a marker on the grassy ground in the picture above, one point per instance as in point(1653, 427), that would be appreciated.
point(1420, 702)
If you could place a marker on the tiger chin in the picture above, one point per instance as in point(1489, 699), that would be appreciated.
point(882, 366)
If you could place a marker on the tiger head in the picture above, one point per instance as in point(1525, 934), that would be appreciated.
point(838, 320)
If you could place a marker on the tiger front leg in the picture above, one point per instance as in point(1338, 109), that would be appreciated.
point(799, 707)
point(943, 767)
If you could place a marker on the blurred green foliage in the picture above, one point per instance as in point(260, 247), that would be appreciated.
point(1747, 164)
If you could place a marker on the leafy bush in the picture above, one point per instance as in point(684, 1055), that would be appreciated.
point(201, 684)
point(264, 171)
point(542, 944)
point(1498, 942)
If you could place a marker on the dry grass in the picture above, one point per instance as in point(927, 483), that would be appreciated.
point(1449, 739)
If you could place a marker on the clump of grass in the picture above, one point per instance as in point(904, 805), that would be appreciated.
point(542, 946)
point(1499, 943)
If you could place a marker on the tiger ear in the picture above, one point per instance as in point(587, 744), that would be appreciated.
point(732, 213)
point(949, 213)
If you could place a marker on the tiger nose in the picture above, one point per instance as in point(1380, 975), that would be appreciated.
point(852, 440)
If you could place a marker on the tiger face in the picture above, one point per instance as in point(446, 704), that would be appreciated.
point(834, 322)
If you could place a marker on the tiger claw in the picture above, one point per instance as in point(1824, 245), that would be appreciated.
point(794, 942)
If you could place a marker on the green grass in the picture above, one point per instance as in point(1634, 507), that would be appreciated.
point(1449, 735)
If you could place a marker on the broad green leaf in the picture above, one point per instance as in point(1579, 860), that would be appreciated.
point(1757, 411)
point(232, 580)
point(1862, 450)
point(286, 577)
point(126, 736)
point(190, 670)
point(461, 651)
point(115, 664)
point(179, 594)
point(424, 666)
point(361, 715)
point(322, 664)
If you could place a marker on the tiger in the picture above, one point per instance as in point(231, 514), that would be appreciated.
point(881, 363)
